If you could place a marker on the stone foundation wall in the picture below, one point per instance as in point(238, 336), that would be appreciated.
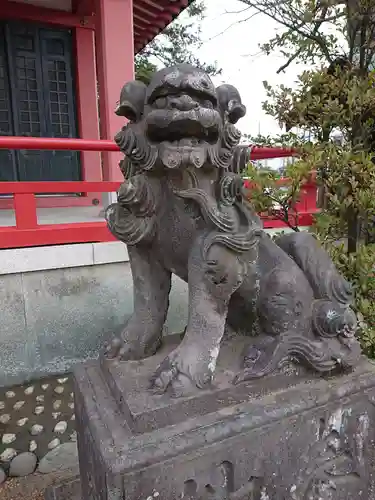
point(54, 318)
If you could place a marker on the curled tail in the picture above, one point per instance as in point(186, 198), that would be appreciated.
point(333, 349)
point(325, 280)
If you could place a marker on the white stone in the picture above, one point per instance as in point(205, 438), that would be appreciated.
point(36, 429)
point(44, 386)
point(61, 458)
point(62, 380)
point(33, 445)
point(4, 419)
point(56, 414)
point(56, 405)
point(71, 406)
point(10, 394)
point(72, 395)
point(39, 410)
point(59, 389)
point(23, 465)
point(60, 427)
point(73, 436)
point(17, 406)
point(73, 417)
point(8, 454)
point(2, 405)
point(40, 399)
point(53, 444)
point(22, 421)
point(8, 438)
point(29, 390)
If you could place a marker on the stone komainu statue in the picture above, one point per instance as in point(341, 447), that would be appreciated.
point(181, 211)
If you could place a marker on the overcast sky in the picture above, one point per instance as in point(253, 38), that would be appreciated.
point(235, 50)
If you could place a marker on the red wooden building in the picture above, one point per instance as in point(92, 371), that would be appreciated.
point(56, 57)
point(62, 65)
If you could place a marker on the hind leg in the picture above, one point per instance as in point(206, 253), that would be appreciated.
point(283, 313)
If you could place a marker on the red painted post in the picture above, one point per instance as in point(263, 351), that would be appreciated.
point(87, 106)
point(114, 39)
point(25, 211)
point(87, 101)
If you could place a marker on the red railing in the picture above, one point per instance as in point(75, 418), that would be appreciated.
point(28, 232)
point(305, 209)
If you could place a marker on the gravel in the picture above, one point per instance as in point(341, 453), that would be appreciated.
point(31, 487)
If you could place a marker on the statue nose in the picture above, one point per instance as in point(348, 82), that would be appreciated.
point(183, 103)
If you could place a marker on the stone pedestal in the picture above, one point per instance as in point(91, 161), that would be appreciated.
point(280, 438)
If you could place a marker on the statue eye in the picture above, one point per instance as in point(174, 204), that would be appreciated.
point(160, 103)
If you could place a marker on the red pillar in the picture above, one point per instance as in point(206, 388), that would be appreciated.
point(87, 105)
point(115, 66)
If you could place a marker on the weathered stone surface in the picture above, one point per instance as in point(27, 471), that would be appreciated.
point(68, 489)
point(23, 464)
point(291, 437)
point(64, 456)
point(182, 211)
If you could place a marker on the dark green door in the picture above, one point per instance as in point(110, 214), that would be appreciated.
point(37, 94)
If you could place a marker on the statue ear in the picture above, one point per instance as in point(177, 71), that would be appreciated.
point(236, 110)
point(230, 103)
point(132, 101)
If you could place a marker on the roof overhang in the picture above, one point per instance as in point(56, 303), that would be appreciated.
point(151, 17)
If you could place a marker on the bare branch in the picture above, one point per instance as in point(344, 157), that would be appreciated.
point(289, 61)
point(237, 11)
point(284, 17)
point(231, 26)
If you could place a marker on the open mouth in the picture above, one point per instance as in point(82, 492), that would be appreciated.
point(176, 126)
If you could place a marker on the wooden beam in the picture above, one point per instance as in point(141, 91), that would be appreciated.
point(27, 12)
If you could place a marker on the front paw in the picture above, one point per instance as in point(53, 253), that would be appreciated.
point(123, 348)
point(183, 372)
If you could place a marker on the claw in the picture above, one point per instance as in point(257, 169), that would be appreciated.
point(122, 353)
point(240, 377)
point(247, 374)
point(182, 372)
point(112, 348)
point(162, 378)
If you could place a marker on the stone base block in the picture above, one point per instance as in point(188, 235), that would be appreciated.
point(282, 438)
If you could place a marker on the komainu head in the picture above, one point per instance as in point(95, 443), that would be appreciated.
point(180, 119)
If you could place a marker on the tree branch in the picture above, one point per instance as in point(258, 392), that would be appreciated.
point(231, 26)
point(289, 61)
point(297, 28)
